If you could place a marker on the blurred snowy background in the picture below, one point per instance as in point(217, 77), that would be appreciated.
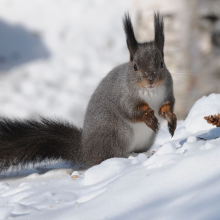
point(54, 53)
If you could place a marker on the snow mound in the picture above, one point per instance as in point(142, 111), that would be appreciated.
point(207, 105)
point(5, 212)
point(180, 178)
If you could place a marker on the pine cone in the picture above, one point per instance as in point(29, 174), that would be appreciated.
point(214, 120)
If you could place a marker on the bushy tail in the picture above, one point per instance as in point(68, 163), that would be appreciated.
point(32, 141)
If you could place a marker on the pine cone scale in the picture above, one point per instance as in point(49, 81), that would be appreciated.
point(213, 119)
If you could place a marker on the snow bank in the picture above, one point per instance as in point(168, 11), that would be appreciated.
point(203, 107)
point(181, 180)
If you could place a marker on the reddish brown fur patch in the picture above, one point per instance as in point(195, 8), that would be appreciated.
point(142, 109)
point(166, 111)
point(140, 114)
point(145, 83)
point(145, 114)
point(165, 108)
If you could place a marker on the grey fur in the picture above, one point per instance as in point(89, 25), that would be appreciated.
point(107, 130)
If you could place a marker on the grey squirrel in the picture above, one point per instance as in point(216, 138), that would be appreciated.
point(122, 116)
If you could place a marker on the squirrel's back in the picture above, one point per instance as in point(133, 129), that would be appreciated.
point(105, 130)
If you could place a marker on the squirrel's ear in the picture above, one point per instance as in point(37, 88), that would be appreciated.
point(131, 40)
point(158, 31)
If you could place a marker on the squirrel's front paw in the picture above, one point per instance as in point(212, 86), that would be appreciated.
point(167, 113)
point(151, 121)
point(172, 121)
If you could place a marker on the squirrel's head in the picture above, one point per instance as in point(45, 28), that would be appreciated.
point(146, 59)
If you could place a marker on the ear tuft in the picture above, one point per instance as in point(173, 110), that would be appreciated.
point(131, 40)
point(159, 31)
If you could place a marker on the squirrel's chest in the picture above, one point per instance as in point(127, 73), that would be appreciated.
point(143, 136)
point(154, 98)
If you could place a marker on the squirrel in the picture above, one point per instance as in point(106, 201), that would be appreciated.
point(122, 116)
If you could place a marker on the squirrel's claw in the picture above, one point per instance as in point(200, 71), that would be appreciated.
point(172, 122)
point(151, 120)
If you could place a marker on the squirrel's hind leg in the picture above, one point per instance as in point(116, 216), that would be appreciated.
point(104, 143)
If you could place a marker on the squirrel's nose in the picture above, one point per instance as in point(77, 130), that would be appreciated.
point(150, 82)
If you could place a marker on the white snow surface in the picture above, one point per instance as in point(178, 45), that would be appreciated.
point(52, 55)
point(178, 179)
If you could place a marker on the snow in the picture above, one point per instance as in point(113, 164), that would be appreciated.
point(195, 122)
point(180, 180)
point(70, 46)
point(5, 212)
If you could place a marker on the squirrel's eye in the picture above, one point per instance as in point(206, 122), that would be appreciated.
point(161, 65)
point(135, 67)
